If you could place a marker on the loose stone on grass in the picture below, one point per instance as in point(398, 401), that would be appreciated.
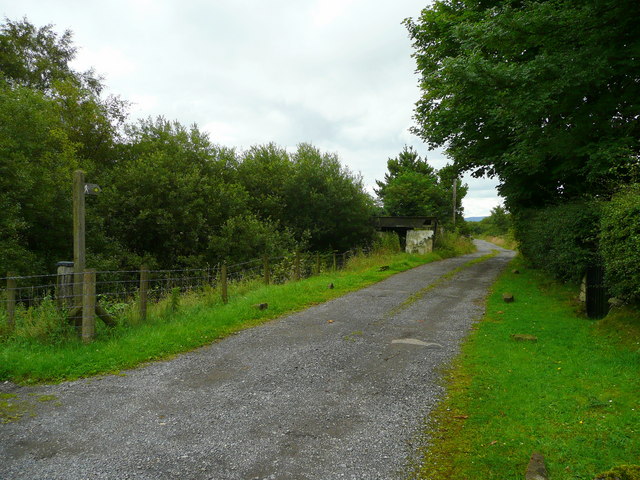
point(520, 337)
point(507, 297)
point(261, 306)
point(536, 469)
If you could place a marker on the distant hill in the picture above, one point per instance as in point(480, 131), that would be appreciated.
point(474, 219)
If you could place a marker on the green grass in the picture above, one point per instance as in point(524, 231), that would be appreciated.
point(199, 319)
point(572, 395)
point(504, 241)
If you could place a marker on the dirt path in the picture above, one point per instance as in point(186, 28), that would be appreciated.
point(336, 391)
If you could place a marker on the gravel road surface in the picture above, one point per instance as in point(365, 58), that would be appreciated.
point(336, 391)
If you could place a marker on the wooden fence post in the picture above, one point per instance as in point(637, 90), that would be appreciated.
point(64, 285)
point(267, 270)
point(144, 287)
point(11, 300)
point(223, 284)
point(88, 305)
point(296, 266)
point(317, 264)
point(78, 232)
point(335, 261)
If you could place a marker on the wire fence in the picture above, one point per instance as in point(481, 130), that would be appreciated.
point(80, 296)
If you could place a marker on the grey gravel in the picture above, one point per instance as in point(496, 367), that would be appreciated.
point(297, 398)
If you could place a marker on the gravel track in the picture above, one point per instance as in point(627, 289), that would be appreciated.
point(298, 398)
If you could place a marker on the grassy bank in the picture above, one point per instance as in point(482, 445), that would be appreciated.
point(193, 320)
point(572, 395)
point(504, 241)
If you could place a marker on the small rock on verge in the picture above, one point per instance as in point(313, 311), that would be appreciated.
point(536, 470)
point(521, 337)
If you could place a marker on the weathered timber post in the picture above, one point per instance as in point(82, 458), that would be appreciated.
point(296, 266)
point(223, 284)
point(88, 305)
point(335, 261)
point(344, 260)
point(454, 199)
point(144, 287)
point(11, 300)
point(78, 232)
point(64, 285)
point(267, 270)
point(317, 264)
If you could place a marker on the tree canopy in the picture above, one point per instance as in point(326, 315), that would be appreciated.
point(412, 187)
point(171, 197)
point(542, 94)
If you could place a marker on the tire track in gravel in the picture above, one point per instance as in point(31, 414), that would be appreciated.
point(297, 398)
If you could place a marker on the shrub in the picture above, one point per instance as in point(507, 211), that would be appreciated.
point(450, 244)
point(620, 243)
point(386, 242)
point(561, 239)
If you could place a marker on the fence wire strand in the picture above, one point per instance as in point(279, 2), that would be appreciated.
point(123, 286)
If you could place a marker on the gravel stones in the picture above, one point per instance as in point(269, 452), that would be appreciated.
point(323, 393)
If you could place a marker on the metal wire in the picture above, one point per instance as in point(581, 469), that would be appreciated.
point(125, 284)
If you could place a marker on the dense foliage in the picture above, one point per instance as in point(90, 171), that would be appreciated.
point(620, 243)
point(499, 223)
point(413, 187)
point(561, 239)
point(171, 197)
point(543, 94)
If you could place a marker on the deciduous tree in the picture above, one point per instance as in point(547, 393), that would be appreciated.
point(544, 95)
point(413, 187)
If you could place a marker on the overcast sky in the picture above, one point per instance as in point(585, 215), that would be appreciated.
point(334, 73)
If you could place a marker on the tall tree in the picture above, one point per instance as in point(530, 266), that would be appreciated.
point(169, 193)
point(413, 187)
point(37, 159)
point(309, 193)
point(52, 121)
point(327, 200)
point(543, 94)
point(39, 59)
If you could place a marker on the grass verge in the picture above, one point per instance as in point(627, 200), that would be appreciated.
point(505, 241)
point(199, 318)
point(572, 395)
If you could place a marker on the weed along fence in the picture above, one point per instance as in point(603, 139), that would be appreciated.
point(78, 300)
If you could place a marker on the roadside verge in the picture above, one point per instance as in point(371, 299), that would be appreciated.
point(536, 376)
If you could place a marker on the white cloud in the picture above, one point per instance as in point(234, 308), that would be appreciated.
point(107, 61)
point(221, 133)
point(325, 12)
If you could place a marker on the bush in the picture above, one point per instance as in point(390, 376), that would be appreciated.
point(245, 238)
point(450, 244)
point(386, 242)
point(561, 239)
point(620, 243)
